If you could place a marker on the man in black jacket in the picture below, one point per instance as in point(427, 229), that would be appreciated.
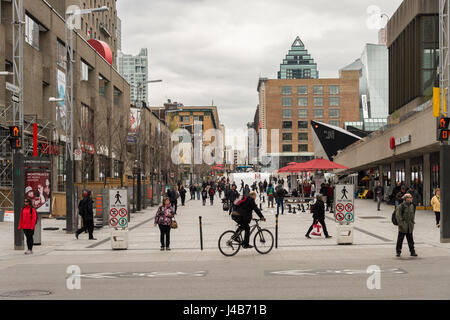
point(319, 216)
point(231, 196)
point(172, 194)
point(245, 211)
point(87, 214)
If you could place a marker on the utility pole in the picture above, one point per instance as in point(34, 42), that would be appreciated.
point(444, 77)
point(18, 156)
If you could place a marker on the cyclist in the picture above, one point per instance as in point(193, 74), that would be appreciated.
point(245, 210)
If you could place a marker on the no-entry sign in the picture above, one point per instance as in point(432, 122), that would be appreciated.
point(118, 208)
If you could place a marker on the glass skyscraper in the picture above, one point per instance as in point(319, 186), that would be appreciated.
point(298, 63)
point(134, 69)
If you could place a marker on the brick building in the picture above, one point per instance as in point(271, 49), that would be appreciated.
point(290, 104)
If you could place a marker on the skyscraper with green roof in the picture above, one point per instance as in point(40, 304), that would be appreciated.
point(298, 63)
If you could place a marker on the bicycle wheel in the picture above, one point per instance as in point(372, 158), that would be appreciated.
point(263, 241)
point(228, 246)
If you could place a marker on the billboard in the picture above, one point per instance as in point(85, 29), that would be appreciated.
point(38, 190)
point(61, 111)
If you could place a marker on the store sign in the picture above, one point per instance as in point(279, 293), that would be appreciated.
point(399, 141)
point(49, 149)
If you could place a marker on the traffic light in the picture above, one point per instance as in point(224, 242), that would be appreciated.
point(15, 133)
point(444, 131)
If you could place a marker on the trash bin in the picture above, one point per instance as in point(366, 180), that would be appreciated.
point(38, 231)
point(344, 234)
point(2, 215)
point(119, 238)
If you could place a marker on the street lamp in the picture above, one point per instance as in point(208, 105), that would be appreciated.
point(140, 86)
point(52, 99)
point(6, 73)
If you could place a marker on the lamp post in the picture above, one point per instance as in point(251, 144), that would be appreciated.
point(139, 165)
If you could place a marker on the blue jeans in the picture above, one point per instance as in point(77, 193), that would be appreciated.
point(198, 195)
point(280, 203)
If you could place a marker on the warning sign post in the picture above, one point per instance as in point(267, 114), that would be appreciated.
point(344, 199)
point(118, 218)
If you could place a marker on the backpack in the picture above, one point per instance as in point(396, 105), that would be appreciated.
point(270, 192)
point(211, 192)
point(394, 218)
point(239, 201)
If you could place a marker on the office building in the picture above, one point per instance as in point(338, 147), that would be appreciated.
point(135, 70)
point(298, 63)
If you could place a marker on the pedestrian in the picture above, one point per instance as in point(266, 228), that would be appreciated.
point(313, 190)
point(436, 203)
point(85, 210)
point(192, 191)
point(242, 185)
point(395, 191)
point(163, 218)
point(270, 195)
point(204, 196)
point(182, 194)
point(173, 196)
point(399, 198)
point(27, 222)
point(211, 193)
point(319, 216)
point(231, 196)
point(329, 196)
point(265, 184)
point(379, 191)
point(405, 218)
point(295, 193)
point(280, 193)
point(198, 189)
point(246, 191)
point(416, 196)
point(244, 217)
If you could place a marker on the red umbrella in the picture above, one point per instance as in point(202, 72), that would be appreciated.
point(319, 164)
point(292, 163)
point(218, 168)
point(289, 168)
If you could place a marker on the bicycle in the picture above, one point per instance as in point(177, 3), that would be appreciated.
point(230, 241)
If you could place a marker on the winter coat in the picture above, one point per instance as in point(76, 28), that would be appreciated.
point(161, 216)
point(172, 194)
point(319, 210)
point(28, 218)
point(405, 214)
point(270, 191)
point(85, 209)
point(183, 193)
point(280, 192)
point(436, 203)
point(204, 194)
point(232, 195)
point(246, 209)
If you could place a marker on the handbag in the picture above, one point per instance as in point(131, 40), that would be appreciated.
point(173, 224)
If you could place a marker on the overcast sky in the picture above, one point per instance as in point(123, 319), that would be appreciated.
point(215, 50)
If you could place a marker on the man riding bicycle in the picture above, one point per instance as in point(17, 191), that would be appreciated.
point(244, 217)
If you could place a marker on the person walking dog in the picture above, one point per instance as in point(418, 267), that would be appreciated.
point(436, 203)
point(405, 215)
point(28, 220)
point(163, 218)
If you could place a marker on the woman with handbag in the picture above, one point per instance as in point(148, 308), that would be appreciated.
point(28, 220)
point(164, 218)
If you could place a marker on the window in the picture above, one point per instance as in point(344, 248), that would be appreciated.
point(302, 148)
point(287, 113)
point(303, 124)
point(303, 136)
point(334, 89)
point(334, 113)
point(318, 113)
point(335, 123)
point(287, 90)
point(318, 102)
point(117, 95)
point(101, 86)
point(287, 102)
point(334, 101)
point(287, 124)
point(31, 32)
point(287, 148)
point(84, 71)
point(303, 113)
point(302, 102)
point(302, 90)
point(287, 136)
point(61, 55)
point(87, 122)
point(318, 90)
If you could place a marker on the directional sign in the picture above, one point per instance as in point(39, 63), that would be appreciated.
point(118, 207)
point(113, 222)
point(339, 216)
point(344, 195)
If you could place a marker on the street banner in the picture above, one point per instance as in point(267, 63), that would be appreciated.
point(38, 190)
point(344, 202)
point(118, 208)
point(61, 111)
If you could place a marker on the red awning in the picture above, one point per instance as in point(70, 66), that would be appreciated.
point(102, 48)
point(319, 164)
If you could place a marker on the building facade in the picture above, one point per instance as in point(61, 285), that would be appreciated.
point(406, 150)
point(298, 63)
point(101, 97)
point(135, 70)
point(289, 105)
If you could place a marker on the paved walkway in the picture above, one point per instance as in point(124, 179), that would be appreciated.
point(372, 229)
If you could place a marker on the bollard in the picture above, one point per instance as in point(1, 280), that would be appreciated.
point(276, 231)
point(264, 199)
point(331, 208)
point(294, 212)
point(299, 207)
point(201, 233)
point(303, 208)
point(290, 208)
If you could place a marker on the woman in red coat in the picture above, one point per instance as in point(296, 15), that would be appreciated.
point(28, 219)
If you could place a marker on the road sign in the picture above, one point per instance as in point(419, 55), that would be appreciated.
point(344, 199)
point(12, 88)
point(15, 98)
point(118, 207)
point(113, 222)
point(77, 154)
